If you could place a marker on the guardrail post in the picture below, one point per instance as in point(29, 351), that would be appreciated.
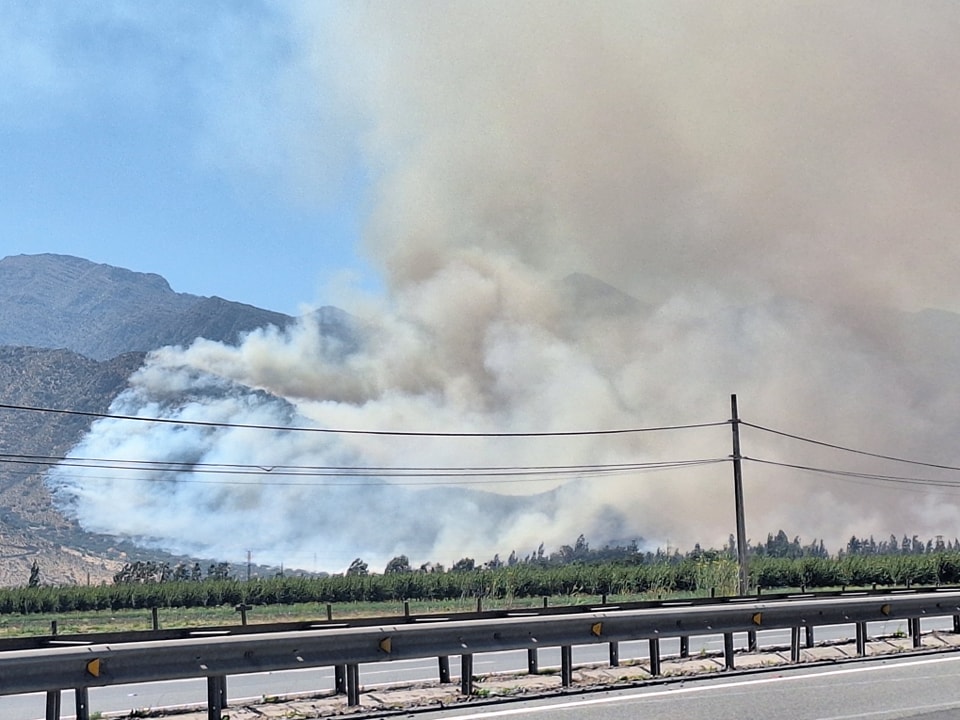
point(861, 638)
point(155, 618)
point(654, 656)
point(53, 627)
point(566, 665)
point(216, 696)
point(809, 636)
point(684, 646)
point(728, 651)
point(915, 632)
point(752, 640)
point(466, 674)
point(614, 654)
point(83, 703)
point(353, 685)
point(340, 679)
point(444, 664)
point(242, 609)
point(533, 662)
point(956, 623)
point(53, 705)
point(795, 644)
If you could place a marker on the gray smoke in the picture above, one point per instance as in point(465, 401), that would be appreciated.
point(772, 184)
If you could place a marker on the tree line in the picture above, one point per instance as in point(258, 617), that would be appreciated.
point(142, 572)
point(572, 570)
point(777, 545)
point(698, 576)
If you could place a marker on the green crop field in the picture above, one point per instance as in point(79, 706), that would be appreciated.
point(210, 602)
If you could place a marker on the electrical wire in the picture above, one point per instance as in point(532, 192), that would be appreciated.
point(833, 446)
point(450, 475)
point(343, 431)
point(899, 479)
point(406, 475)
point(490, 474)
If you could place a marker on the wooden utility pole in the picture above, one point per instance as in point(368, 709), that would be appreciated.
point(738, 498)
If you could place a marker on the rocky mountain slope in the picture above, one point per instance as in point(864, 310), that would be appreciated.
point(30, 528)
point(59, 301)
point(71, 333)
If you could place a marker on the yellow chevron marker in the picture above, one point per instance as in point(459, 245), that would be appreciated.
point(757, 618)
point(386, 645)
point(93, 667)
point(885, 608)
point(597, 629)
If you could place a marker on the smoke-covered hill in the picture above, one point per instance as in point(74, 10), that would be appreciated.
point(483, 382)
point(72, 332)
point(31, 530)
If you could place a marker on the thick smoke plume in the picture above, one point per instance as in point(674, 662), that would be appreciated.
point(771, 186)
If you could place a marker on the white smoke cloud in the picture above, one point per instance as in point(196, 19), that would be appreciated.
point(775, 186)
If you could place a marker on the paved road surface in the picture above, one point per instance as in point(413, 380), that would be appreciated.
point(896, 689)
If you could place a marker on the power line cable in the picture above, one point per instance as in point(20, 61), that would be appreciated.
point(848, 449)
point(179, 466)
point(343, 431)
point(932, 482)
point(362, 482)
point(486, 474)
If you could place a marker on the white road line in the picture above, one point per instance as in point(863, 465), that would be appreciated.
point(698, 689)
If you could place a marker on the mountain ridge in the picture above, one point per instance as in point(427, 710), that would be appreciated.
point(100, 311)
point(72, 332)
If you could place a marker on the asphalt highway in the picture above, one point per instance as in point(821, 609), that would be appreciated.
point(891, 689)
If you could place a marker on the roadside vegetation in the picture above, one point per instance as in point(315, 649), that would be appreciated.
point(573, 575)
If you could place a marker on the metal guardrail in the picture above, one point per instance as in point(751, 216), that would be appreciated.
point(216, 656)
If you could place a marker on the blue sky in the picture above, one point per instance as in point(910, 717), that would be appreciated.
point(167, 138)
point(768, 179)
point(256, 150)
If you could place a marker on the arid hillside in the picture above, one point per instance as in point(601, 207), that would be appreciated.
point(71, 334)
